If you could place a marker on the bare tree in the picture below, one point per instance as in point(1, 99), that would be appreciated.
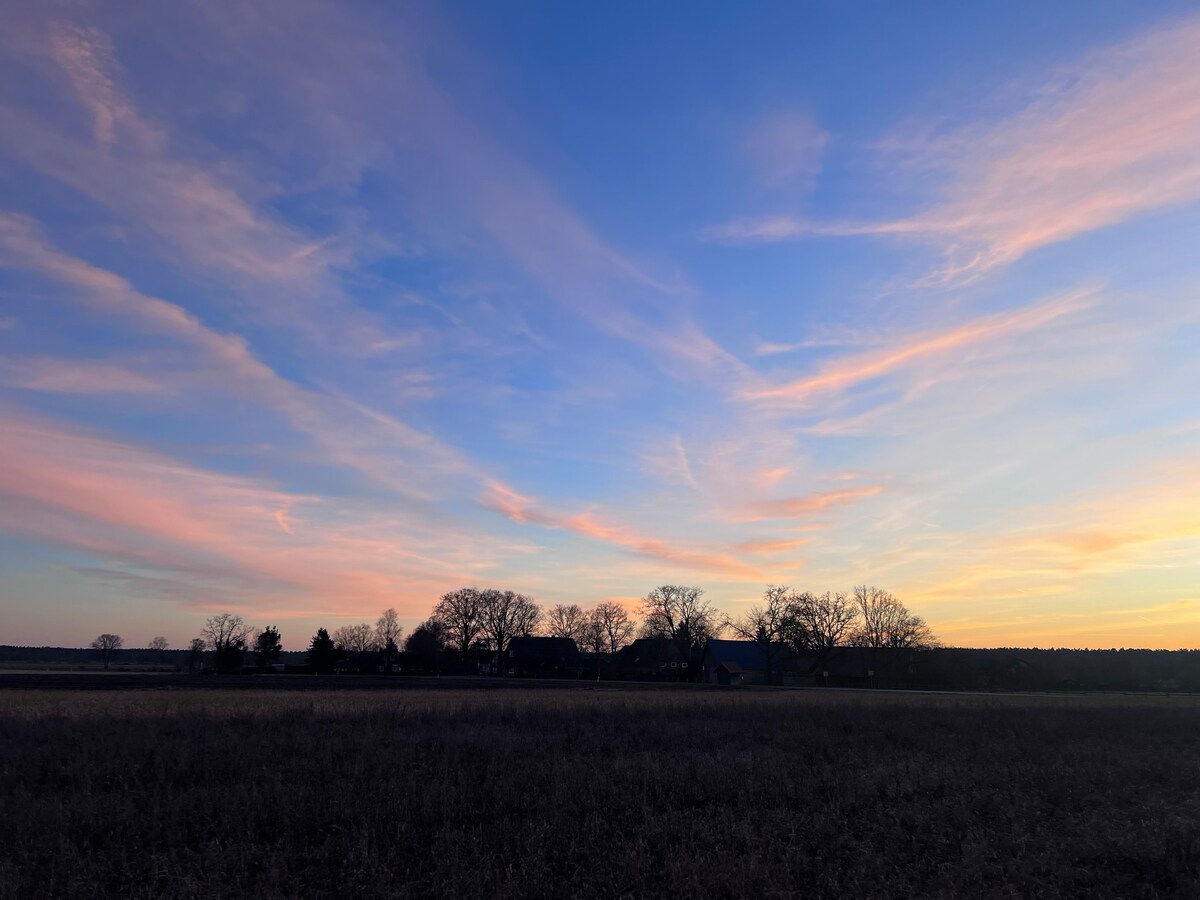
point(506, 615)
point(594, 637)
point(886, 622)
point(227, 634)
point(196, 653)
point(387, 635)
point(355, 638)
point(222, 630)
point(822, 622)
point(618, 627)
point(566, 621)
point(158, 648)
point(887, 625)
point(355, 642)
point(768, 625)
point(679, 614)
point(461, 615)
point(387, 628)
point(106, 646)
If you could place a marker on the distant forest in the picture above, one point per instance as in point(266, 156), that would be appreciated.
point(865, 638)
point(940, 668)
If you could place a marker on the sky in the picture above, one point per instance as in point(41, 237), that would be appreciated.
point(312, 309)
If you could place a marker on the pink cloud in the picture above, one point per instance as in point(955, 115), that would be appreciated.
point(185, 203)
point(1151, 522)
point(76, 376)
point(1113, 136)
point(352, 433)
point(805, 505)
point(502, 499)
point(362, 82)
point(358, 96)
point(220, 538)
point(786, 148)
point(775, 546)
point(769, 478)
point(845, 373)
point(671, 462)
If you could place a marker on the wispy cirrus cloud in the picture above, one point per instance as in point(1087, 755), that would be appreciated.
point(669, 460)
point(787, 148)
point(805, 505)
point(773, 546)
point(1110, 137)
point(361, 103)
point(1152, 522)
point(847, 372)
point(78, 376)
point(209, 211)
point(387, 450)
point(364, 84)
point(502, 499)
point(216, 538)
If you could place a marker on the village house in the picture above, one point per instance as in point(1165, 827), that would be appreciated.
point(533, 657)
point(652, 659)
point(745, 662)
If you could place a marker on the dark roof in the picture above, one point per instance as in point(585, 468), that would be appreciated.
point(654, 651)
point(731, 667)
point(748, 654)
point(543, 648)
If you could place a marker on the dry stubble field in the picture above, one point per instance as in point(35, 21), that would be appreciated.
point(595, 793)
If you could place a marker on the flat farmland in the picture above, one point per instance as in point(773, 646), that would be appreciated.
point(575, 792)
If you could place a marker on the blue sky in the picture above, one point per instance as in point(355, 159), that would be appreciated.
point(311, 309)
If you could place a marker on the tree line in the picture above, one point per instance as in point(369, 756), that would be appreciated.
point(469, 624)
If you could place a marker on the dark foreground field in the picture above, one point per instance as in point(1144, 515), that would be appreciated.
point(575, 793)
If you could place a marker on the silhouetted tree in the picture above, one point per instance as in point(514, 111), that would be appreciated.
point(618, 627)
point(506, 615)
point(226, 633)
point(565, 621)
point(321, 653)
point(679, 614)
point(427, 643)
point(356, 642)
point(267, 647)
point(886, 622)
point(158, 648)
point(593, 637)
point(461, 615)
point(888, 626)
point(196, 653)
point(356, 638)
point(106, 646)
point(387, 635)
point(822, 622)
point(768, 625)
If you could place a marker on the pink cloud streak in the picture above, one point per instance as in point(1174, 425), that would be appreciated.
point(502, 499)
point(1113, 136)
point(323, 418)
point(805, 505)
point(220, 538)
point(848, 372)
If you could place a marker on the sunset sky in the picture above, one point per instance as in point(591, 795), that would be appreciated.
point(312, 309)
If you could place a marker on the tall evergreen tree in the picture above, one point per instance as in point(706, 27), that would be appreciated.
point(321, 653)
point(267, 647)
